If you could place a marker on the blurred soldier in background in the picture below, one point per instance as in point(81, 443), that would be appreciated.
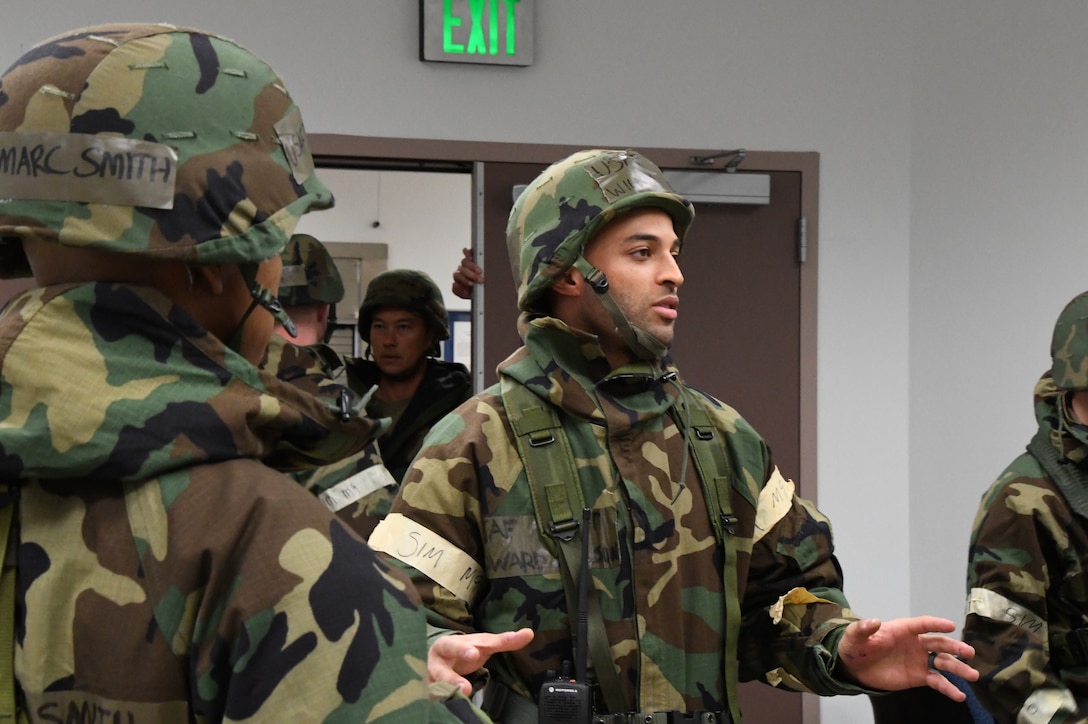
point(1027, 603)
point(358, 487)
point(403, 321)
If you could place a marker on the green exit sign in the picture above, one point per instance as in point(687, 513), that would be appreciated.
point(493, 32)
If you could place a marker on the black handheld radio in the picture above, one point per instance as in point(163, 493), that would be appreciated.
point(566, 700)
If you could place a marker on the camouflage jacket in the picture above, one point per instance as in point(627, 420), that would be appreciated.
point(359, 487)
point(1028, 585)
point(656, 562)
point(165, 573)
point(445, 385)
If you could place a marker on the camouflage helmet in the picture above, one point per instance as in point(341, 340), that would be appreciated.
point(568, 203)
point(309, 274)
point(405, 289)
point(1069, 346)
point(152, 140)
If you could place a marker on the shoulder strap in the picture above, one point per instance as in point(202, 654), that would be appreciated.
point(709, 452)
point(1067, 476)
point(549, 463)
point(557, 498)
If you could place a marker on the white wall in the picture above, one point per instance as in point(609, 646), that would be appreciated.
point(425, 218)
point(999, 152)
point(951, 135)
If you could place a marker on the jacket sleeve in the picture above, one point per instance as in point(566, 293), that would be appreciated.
point(793, 608)
point(1023, 566)
point(433, 532)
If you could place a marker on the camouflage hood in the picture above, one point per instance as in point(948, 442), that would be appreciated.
point(130, 356)
point(567, 368)
point(1052, 412)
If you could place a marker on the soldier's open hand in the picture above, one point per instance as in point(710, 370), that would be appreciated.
point(904, 653)
point(450, 657)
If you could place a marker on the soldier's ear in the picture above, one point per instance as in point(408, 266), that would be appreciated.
point(569, 283)
point(208, 278)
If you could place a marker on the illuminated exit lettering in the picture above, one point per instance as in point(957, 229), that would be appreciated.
point(482, 14)
point(498, 32)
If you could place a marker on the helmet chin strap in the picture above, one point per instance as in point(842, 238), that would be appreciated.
point(645, 346)
point(261, 297)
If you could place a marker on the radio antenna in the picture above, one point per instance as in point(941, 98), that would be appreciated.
point(581, 639)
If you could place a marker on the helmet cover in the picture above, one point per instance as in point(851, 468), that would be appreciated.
point(569, 202)
point(407, 289)
point(1069, 346)
point(152, 140)
point(309, 275)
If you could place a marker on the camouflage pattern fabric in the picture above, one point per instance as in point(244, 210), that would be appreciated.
point(567, 204)
point(309, 275)
point(407, 289)
point(165, 573)
point(1069, 345)
point(480, 563)
point(1027, 583)
point(444, 386)
point(89, 120)
point(358, 488)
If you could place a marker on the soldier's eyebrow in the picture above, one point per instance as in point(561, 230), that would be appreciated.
point(654, 238)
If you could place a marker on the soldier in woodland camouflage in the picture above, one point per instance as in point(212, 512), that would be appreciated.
point(359, 487)
point(685, 602)
point(160, 571)
point(403, 321)
point(1027, 605)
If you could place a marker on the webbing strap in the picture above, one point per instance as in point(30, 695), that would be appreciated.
point(8, 706)
point(557, 498)
point(713, 469)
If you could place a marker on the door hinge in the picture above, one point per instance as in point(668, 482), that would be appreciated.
point(802, 240)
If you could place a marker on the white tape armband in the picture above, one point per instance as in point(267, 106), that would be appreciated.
point(992, 605)
point(429, 553)
point(775, 501)
point(89, 168)
point(357, 486)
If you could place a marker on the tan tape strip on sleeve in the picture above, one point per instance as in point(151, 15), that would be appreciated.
point(429, 553)
point(775, 500)
point(992, 605)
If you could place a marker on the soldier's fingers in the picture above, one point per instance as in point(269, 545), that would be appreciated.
point(459, 653)
point(509, 641)
point(926, 624)
point(468, 271)
point(938, 682)
point(947, 645)
point(445, 677)
point(953, 665)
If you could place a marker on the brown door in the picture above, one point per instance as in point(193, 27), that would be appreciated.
point(738, 335)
